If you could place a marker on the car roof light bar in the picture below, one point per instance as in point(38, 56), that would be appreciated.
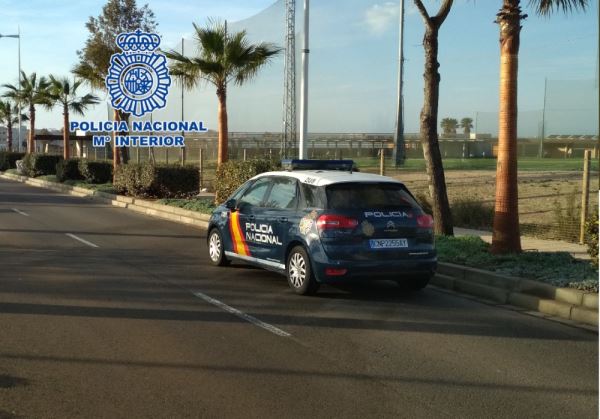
point(304, 164)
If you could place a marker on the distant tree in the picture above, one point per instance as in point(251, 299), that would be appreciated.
point(30, 92)
point(429, 117)
point(222, 58)
point(466, 124)
point(117, 16)
point(449, 125)
point(64, 94)
point(506, 236)
point(9, 115)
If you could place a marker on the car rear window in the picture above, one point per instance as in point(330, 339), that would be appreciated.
point(369, 195)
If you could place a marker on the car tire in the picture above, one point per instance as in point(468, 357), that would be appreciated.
point(216, 252)
point(299, 272)
point(415, 283)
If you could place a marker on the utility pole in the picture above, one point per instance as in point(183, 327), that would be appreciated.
point(289, 89)
point(399, 152)
point(182, 114)
point(543, 133)
point(18, 37)
point(302, 146)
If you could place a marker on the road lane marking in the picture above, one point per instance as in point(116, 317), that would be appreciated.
point(73, 236)
point(18, 211)
point(241, 314)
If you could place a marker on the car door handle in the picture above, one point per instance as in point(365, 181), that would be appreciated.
point(282, 219)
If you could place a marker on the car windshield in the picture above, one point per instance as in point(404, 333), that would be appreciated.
point(369, 195)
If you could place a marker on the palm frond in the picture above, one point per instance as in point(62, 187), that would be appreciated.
point(547, 7)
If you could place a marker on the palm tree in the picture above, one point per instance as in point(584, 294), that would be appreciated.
point(466, 124)
point(30, 92)
point(61, 92)
point(449, 125)
point(506, 237)
point(222, 58)
point(9, 115)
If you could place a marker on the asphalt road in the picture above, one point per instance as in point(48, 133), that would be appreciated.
point(142, 326)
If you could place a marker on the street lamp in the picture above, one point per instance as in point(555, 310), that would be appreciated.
point(18, 36)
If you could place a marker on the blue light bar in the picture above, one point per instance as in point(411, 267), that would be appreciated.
point(298, 164)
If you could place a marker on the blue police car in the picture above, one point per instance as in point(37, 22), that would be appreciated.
point(318, 221)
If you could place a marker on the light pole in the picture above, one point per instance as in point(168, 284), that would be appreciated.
point(18, 36)
point(303, 143)
point(399, 151)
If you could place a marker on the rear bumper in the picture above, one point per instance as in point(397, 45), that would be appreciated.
point(397, 270)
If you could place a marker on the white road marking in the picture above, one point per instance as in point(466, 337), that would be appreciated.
point(242, 315)
point(20, 212)
point(73, 236)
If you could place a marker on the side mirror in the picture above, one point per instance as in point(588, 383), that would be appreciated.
point(230, 204)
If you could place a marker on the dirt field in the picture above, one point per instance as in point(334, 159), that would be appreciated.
point(539, 192)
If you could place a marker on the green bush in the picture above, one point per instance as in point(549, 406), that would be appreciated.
point(8, 159)
point(556, 268)
point(68, 170)
point(591, 237)
point(40, 164)
point(470, 213)
point(232, 174)
point(157, 181)
point(203, 205)
point(96, 171)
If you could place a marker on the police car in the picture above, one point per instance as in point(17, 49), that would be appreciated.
point(318, 221)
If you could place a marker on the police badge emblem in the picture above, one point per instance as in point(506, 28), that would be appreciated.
point(138, 78)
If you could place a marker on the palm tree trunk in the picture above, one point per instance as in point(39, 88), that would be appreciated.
point(429, 134)
point(506, 236)
point(66, 133)
point(9, 132)
point(30, 142)
point(222, 125)
point(115, 149)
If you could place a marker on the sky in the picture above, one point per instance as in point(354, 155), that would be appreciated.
point(353, 62)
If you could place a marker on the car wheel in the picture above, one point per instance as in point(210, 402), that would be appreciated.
point(299, 273)
point(216, 254)
point(415, 283)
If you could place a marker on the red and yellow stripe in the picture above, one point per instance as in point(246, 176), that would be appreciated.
point(237, 235)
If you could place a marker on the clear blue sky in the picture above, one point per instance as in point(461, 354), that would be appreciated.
point(353, 58)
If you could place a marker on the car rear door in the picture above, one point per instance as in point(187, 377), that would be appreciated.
point(281, 215)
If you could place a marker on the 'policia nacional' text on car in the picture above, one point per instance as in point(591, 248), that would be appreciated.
point(318, 221)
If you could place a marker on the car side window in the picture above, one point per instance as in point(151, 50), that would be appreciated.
point(283, 195)
point(312, 196)
point(254, 196)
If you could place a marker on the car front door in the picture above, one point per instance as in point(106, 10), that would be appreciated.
point(242, 220)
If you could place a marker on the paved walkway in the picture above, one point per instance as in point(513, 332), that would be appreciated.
point(530, 243)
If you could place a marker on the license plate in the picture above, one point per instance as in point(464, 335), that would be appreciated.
point(388, 243)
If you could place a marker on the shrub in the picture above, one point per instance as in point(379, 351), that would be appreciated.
point(232, 174)
point(157, 181)
point(470, 213)
point(8, 159)
point(68, 170)
point(40, 164)
point(591, 237)
point(96, 171)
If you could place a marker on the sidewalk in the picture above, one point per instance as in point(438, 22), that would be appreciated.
point(530, 243)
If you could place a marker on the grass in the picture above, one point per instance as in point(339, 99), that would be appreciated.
point(202, 205)
point(100, 187)
point(558, 269)
point(548, 164)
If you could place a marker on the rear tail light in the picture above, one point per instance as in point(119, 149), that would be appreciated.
point(330, 221)
point(425, 221)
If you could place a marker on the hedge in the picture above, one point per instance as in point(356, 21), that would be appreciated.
point(157, 181)
point(591, 236)
point(232, 174)
point(96, 171)
point(68, 170)
point(40, 164)
point(8, 159)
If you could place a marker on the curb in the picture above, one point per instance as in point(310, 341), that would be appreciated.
point(566, 303)
point(164, 212)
